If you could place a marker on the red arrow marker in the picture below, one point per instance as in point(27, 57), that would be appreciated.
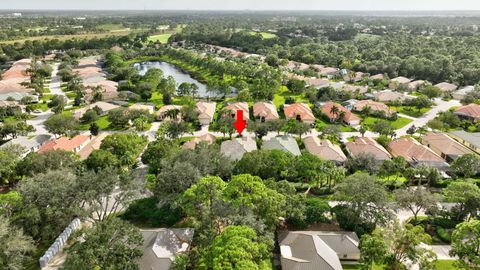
point(240, 123)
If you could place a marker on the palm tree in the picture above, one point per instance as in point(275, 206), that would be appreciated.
point(334, 111)
point(172, 114)
point(341, 116)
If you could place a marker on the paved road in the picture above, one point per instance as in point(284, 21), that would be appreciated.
point(37, 122)
point(55, 83)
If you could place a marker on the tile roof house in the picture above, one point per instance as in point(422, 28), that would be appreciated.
point(94, 144)
point(374, 106)
point(416, 153)
point(377, 77)
point(236, 148)
point(74, 144)
point(206, 112)
point(328, 71)
point(444, 146)
point(470, 140)
point(265, 111)
point(355, 77)
point(283, 143)
point(367, 145)
point(162, 113)
point(104, 106)
point(470, 112)
point(308, 250)
point(143, 107)
point(415, 85)
point(446, 87)
point(324, 149)
point(388, 95)
point(299, 111)
point(14, 85)
point(396, 82)
point(192, 144)
point(161, 246)
point(234, 107)
point(348, 118)
point(315, 82)
point(460, 94)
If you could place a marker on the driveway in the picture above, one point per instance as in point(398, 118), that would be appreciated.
point(37, 122)
point(55, 83)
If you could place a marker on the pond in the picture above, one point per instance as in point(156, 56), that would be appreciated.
point(172, 70)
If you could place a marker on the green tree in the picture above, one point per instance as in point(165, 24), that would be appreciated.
point(125, 146)
point(110, 244)
point(119, 117)
point(15, 246)
point(94, 129)
point(467, 165)
point(393, 245)
point(238, 247)
point(466, 244)
point(10, 156)
point(101, 159)
point(61, 124)
point(467, 195)
point(416, 200)
point(35, 163)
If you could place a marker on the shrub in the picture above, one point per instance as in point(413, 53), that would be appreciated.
point(146, 212)
point(316, 211)
point(444, 235)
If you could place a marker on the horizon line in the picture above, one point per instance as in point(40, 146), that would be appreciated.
point(253, 10)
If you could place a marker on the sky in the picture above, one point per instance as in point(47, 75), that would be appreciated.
point(243, 4)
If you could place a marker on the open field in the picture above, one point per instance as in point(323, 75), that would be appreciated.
point(264, 35)
point(162, 38)
point(66, 37)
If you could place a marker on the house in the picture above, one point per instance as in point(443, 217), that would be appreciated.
point(300, 112)
point(142, 107)
point(398, 81)
point(334, 111)
point(374, 107)
point(446, 87)
point(103, 106)
point(162, 246)
point(236, 148)
point(265, 111)
point(163, 112)
point(93, 145)
point(355, 77)
point(389, 96)
point(377, 77)
point(460, 94)
point(328, 72)
point(192, 144)
point(444, 146)
point(324, 149)
point(415, 153)
point(206, 112)
point(315, 82)
point(470, 140)
point(305, 250)
point(367, 145)
point(107, 89)
point(74, 144)
point(415, 85)
point(238, 106)
point(14, 85)
point(283, 143)
point(356, 89)
point(469, 112)
point(29, 144)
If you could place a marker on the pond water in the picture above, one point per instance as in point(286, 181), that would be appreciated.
point(172, 70)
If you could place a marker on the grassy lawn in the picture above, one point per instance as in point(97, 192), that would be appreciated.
point(410, 111)
point(265, 35)
point(445, 265)
point(321, 123)
point(279, 98)
point(111, 26)
point(163, 38)
point(399, 123)
point(102, 123)
point(348, 266)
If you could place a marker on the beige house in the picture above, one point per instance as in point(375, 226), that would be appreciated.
point(367, 145)
point(374, 107)
point(396, 82)
point(324, 149)
point(444, 146)
point(105, 107)
point(416, 153)
point(265, 111)
point(142, 107)
point(206, 112)
point(446, 87)
point(162, 113)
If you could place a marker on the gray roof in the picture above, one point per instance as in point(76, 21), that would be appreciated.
point(236, 148)
point(309, 250)
point(466, 90)
point(472, 138)
point(162, 245)
point(29, 143)
point(17, 96)
point(284, 143)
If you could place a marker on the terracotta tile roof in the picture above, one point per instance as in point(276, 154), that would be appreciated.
point(298, 109)
point(366, 145)
point(64, 143)
point(94, 144)
point(446, 87)
point(327, 71)
point(377, 77)
point(239, 106)
point(327, 110)
point(470, 110)
point(442, 144)
point(324, 149)
point(206, 110)
point(412, 150)
point(88, 71)
point(374, 106)
point(13, 85)
point(208, 137)
point(265, 110)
